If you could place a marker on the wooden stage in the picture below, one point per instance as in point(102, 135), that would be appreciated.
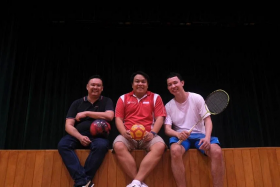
point(245, 167)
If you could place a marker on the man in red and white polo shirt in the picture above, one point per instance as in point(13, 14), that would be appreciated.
point(139, 106)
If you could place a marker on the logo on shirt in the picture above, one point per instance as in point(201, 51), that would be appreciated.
point(146, 102)
point(131, 102)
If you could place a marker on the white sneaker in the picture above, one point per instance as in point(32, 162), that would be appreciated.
point(144, 185)
point(133, 185)
point(89, 184)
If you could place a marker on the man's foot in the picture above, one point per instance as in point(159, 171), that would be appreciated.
point(144, 185)
point(133, 185)
point(89, 184)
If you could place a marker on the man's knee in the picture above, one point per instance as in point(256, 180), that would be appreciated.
point(216, 152)
point(175, 151)
point(158, 148)
point(119, 147)
point(61, 145)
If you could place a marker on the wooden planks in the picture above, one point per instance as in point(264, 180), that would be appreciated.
point(245, 167)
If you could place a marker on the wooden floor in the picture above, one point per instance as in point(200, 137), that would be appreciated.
point(245, 167)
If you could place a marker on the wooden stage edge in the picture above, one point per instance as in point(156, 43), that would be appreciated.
point(248, 167)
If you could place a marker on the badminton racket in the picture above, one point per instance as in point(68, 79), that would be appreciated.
point(215, 103)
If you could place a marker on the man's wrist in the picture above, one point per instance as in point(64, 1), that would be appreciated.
point(154, 133)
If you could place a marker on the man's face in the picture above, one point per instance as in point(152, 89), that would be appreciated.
point(174, 85)
point(95, 87)
point(139, 85)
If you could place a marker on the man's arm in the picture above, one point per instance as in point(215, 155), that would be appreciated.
point(172, 133)
point(205, 142)
point(158, 124)
point(70, 129)
point(208, 127)
point(107, 115)
point(119, 124)
point(121, 128)
point(169, 131)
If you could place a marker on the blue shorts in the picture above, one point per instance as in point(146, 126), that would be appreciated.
point(193, 140)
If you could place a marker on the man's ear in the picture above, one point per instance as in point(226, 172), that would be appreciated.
point(183, 83)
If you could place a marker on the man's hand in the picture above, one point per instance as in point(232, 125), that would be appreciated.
point(204, 144)
point(183, 135)
point(85, 141)
point(127, 135)
point(148, 136)
point(81, 115)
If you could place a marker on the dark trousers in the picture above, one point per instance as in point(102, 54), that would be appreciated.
point(98, 149)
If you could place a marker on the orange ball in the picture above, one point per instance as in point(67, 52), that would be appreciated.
point(137, 131)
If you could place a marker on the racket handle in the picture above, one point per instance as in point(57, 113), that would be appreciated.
point(180, 141)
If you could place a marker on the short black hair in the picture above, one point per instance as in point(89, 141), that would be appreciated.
point(145, 75)
point(174, 74)
point(95, 77)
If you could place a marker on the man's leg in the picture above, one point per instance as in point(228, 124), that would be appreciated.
point(177, 165)
point(98, 149)
point(150, 161)
point(66, 147)
point(125, 159)
point(217, 165)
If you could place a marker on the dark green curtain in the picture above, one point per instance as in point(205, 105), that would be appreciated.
point(45, 66)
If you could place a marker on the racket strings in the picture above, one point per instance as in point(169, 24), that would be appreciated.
point(217, 102)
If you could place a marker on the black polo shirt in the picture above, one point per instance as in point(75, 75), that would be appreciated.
point(80, 105)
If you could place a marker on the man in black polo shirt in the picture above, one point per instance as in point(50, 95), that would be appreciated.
point(81, 114)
